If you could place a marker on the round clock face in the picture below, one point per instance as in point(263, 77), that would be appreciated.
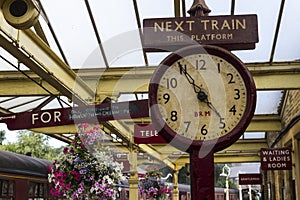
point(201, 96)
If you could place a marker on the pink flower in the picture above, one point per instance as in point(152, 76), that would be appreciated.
point(65, 150)
point(85, 125)
point(96, 184)
point(92, 141)
point(65, 175)
point(74, 172)
point(57, 174)
point(50, 169)
point(52, 191)
point(60, 174)
point(68, 186)
point(96, 128)
point(80, 190)
point(61, 183)
point(77, 178)
point(55, 193)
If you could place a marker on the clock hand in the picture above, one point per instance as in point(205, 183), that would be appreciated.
point(189, 78)
point(202, 96)
point(213, 108)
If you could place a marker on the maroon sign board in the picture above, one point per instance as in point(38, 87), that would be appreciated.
point(75, 115)
point(233, 32)
point(146, 134)
point(276, 158)
point(250, 179)
point(122, 159)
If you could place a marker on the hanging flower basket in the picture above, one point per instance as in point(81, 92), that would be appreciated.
point(152, 186)
point(86, 170)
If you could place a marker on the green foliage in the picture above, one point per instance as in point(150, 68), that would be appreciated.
point(184, 175)
point(220, 181)
point(36, 144)
point(2, 136)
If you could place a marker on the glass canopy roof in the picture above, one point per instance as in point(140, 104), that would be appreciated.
point(106, 34)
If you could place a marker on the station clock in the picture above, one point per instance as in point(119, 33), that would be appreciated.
point(201, 96)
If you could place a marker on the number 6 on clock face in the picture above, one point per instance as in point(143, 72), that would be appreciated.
point(201, 94)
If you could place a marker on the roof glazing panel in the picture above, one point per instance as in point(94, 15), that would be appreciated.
point(268, 102)
point(117, 25)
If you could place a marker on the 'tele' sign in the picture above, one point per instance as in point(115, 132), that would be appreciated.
point(147, 134)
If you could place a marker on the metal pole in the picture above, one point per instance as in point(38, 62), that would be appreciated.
point(250, 193)
point(227, 188)
point(227, 169)
point(202, 176)
point(240, 192)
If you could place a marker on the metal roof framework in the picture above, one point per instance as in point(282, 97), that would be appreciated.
point(40, 77)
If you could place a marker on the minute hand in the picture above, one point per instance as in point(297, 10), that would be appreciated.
point(213, 108)
point(202, 96)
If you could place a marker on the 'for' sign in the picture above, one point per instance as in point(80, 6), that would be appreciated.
point(46, 117)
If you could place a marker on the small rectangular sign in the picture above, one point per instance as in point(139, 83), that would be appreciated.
point(276, 158)
point(229, 31)
point(147, 134)
point(76, 115)
point(250, 179)
point(122, 158)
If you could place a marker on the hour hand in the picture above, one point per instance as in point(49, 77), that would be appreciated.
point(190, 79)
point(201, 95)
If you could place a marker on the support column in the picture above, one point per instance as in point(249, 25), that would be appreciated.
point(296, 167)
point(202, 176)
point(265, 184)
point(278, 184)
point(175, 185)
point(178, 165)
point(240, 192)
point(250, 192)
point(133, 179)
point(272, 186)
point(287, 186)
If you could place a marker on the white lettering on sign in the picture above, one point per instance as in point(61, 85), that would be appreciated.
point(250, 178)
point(149, 133)
point(275, 159)
point(46, 117)
point(205, 24)
point(276, 152)
point(276, 165)
point(170, 26)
